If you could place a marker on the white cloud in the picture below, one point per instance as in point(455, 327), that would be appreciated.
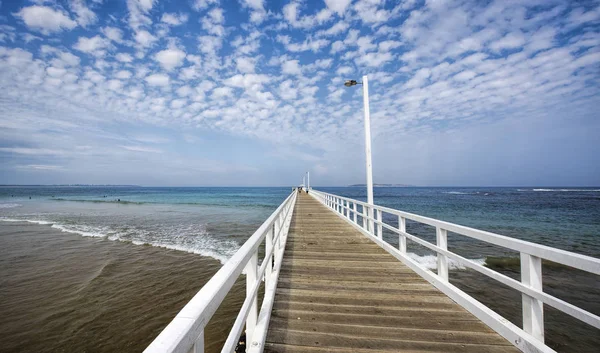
point(257, 10)
point(158, 80)
point(245, 64)
point(44, 167)
point(123, 74)
point(174, 19)
point(114, 34)
point(338, 6)
point(142, 149)
point(344, 70)
point(309, 44)
point(85, 16)
point(291, 15)
point(95, 45)
point(45, 19)
point(145, 38)
point(203, 4)
point(371, 11)
point(465, 76)
point(291, 67)
point(124, 57)
point(374, 59)
point(170, 58)
point(336, 29)
point(510, 41)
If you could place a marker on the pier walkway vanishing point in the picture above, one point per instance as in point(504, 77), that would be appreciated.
point(333, 284)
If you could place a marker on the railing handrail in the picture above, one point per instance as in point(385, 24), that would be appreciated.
point(187, 328)
point(531, 267)
point(563, 257)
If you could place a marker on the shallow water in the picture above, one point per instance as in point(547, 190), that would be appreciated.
point(64, 293)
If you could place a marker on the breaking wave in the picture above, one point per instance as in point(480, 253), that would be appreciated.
point(430, 262)
point(564, 190)
point(10, 205)
point(192, 238)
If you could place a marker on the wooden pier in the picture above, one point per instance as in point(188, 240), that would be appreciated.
point(332, 283)
point(340, 292)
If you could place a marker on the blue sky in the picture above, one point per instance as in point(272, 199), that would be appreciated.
point(250, 92)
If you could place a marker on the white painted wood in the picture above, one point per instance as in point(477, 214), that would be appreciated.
point(256, 343)
point(533, 309)
point(365, 85)
point(442, 260)
point(578, 261)
point(379, 226)
point(348, 210)
point(522, 340)
point(251, 280)
point(199, 344)
point(182, 332)
point(269, 250)
point(402, 237)
point(532, 293)
point(364, 217)
point(354, 211)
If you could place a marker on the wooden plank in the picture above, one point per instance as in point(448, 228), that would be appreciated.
point(339, 292)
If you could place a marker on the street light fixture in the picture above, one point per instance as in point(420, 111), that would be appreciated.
point(365, 84)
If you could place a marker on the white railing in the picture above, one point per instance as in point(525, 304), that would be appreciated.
point(531, 337)
point(186, 332)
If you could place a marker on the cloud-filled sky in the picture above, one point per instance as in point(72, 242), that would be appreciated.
point(250, 92)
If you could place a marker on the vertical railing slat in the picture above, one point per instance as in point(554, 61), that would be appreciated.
point(199, 343)
point(401, 237)
point(268, 247)
point(379, 225)
point(533, 309)
point(251, 273)
point(364, 217)
point(442, 260)
point(348, 210)
point(355, 211)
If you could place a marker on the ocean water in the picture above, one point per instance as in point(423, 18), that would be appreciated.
point(210, 224)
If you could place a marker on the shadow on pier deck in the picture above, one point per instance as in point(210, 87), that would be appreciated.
point(340, 292)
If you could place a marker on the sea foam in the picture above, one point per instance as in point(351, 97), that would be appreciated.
point(188, 238)
point(10, 205)
point(430, 262)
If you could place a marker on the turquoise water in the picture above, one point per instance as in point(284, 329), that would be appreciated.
point(216, 221)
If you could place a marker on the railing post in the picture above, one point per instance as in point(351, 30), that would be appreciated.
point(251, 272)
point(199, 343)
point(379, 225)
point(364, 217)
point(401, 237)
point(442, 260)
point(275, 232)
point(354, 209)
point(268, 247)
point(371, 215)
point(533, 309)
point(348, 210)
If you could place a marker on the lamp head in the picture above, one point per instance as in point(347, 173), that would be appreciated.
point(350, 83)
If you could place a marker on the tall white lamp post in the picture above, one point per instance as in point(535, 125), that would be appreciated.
point(308, 180)
point(365, 84)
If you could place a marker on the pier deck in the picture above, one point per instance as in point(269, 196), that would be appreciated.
point(340, 292)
